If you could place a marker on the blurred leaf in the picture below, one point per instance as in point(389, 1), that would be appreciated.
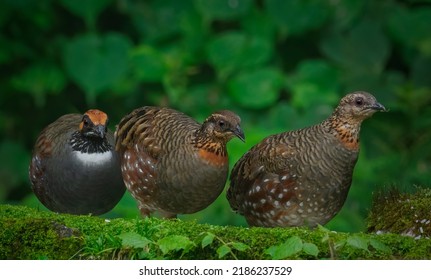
point(195, 34)
point(158, 20)
point(354, 50)
point(223, 9)
point(379, 246)
point(87, 9)
point(175, 243)
point(298, 16)
point(232, 51)
point(346, 12)
point(133, 240)
point(14, 159)
point(358, 242)
point(412, 28)
point(281, 117)
point(256, 89)
point(315, 82)
point(223, 250)
point(208, 239)
point(420, 71)
point(240, 246)
point(292, 246)
point(310, 249)
point(259, 24)
point(96, 62)
point(148, 64)
point(39, 80)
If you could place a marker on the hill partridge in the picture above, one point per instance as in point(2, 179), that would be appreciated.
point(171, 163)
point(302, 177)
point(74, 168)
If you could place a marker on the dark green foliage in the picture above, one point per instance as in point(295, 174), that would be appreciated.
point(26, 233)
point(280, 65)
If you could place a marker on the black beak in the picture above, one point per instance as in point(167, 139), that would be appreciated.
point(239, 133)
point(378, 107)
point(100, 131)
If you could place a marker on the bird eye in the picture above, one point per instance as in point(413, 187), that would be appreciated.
point(221, 123)
point(85, 121)
point(359, 101)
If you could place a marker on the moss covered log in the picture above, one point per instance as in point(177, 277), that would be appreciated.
point(402, 213)
point(27, 233)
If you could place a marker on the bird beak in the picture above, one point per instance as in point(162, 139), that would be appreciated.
point(378, 107)
point(100, 130)
point(239, 133)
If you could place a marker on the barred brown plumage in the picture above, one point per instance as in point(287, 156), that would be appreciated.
point(302, 177)
point(171, 163)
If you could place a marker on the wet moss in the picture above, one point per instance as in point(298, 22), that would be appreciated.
point(27, 233)
point(402, 213)
point(37, 239)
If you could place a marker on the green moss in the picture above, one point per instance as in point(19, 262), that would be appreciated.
point(26, 233)
point(38, 239)
point(401, 213)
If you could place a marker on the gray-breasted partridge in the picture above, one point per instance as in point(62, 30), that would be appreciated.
point(171, 163)
point(302, 177)
point(74, 168)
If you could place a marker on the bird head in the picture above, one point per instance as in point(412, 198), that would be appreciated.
point(94, 123)
point(224, 125)
point(359, 106)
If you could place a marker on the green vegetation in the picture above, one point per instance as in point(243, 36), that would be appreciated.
point(402, 213)
point(27, 233)
point(279, 64)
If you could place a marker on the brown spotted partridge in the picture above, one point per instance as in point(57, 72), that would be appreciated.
point(172, 164)
point(302, 177)
point(74, 168)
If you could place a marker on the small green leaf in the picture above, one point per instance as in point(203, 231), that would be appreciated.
point(16, 170)
point(346, 12)
point(292, 246)
point(240, 246)
point(411, 27)
point(339, 244)
point(88, 10)
point(256, 89)
point(216, 9)
point(97, 62)
point(298, 16)
point(134, 240)
point(233, 51)
point(40, 80)
point(223, 250)
point(148, 64)
point(323, 229)
point(353, 52)
point(421, 67)
point(208, 239)
point(84, 8)
point(314, 83)
point(358, 242)
point(310, 249)
point(379, 246)
point(175, 243)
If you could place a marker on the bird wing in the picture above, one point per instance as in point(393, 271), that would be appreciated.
point(137, 127)
point(268, 162)
point(46, 143)
point(150, 127)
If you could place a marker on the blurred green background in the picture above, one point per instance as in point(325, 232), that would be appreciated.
point(279, 64)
